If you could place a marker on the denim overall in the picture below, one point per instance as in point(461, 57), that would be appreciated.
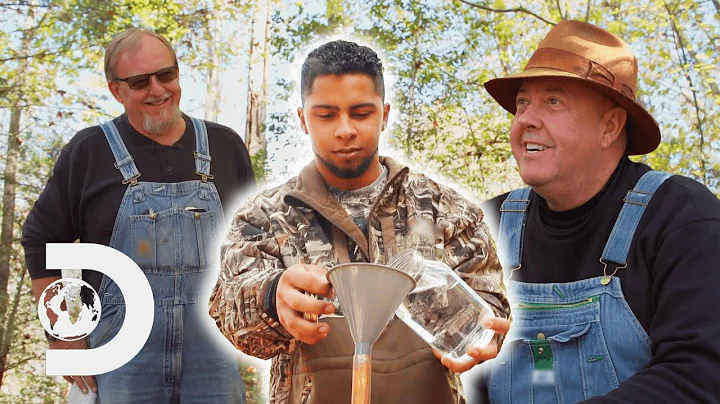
point(170, 230)
point(570, 341)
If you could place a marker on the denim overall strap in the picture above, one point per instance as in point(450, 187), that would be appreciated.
point(202, 150)
point(618, 245)
point(123, 160)
point(513, 212)
point(202, 159)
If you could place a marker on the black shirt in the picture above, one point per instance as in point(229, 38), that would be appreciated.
point(671, 281)
point(81, 199)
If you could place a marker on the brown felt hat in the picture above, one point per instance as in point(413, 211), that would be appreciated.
point(581, 51)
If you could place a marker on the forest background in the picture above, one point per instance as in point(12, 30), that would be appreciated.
point(239, 64)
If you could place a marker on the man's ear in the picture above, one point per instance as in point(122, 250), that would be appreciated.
point(114, 88)
point(386, 115)
point(615, 120)
point(301, 116)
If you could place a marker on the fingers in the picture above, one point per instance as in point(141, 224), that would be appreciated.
point(314, 269)
point(306, 277)
point(497, 324)
point(80, 383)
point(301, 329)
point(292, 302)
point(90, 382)
point(301, 302)
point(85, 383)
point(455, 366)
point(483, 353)
point(478, 355)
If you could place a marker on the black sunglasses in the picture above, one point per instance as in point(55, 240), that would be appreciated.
point(142, 81)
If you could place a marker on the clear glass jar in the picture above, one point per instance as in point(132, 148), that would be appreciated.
point(442, 309)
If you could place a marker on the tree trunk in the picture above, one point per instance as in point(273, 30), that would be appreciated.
point(255, 139)
point(262, 108)
point(10, 190)
point(213, 94)
point(7, 340)
point(6, 234)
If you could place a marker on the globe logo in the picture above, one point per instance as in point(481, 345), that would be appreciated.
point(56, 318)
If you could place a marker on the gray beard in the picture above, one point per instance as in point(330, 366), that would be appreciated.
point(166, 121)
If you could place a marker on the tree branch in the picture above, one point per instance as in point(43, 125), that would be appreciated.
point(559, 6)
point(411, 97)
point(22, 361)
point(15, 239)
point(587, 11)
point(44, 53)
point(29, 343)
point(509, 10)
point(26, 5)
point(682, 55)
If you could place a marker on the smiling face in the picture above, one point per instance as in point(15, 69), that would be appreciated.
point(344, 115)
point(153, 110)
point(561, 136)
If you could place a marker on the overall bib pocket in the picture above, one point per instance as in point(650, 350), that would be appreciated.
point(198, 233)
point(174, 237)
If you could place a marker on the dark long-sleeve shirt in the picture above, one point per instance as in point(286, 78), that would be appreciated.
point(671, 282)
point(81, 199)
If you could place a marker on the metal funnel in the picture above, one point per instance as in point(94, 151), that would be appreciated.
point(369, 295)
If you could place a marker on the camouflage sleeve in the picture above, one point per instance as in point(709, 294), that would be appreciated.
point(249, 260)
point(469, 248)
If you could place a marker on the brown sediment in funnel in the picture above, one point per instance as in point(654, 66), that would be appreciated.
point(369, 295)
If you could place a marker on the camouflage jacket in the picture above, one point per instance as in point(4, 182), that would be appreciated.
point(299, 222)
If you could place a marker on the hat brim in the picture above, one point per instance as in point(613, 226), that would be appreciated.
point(642, 130)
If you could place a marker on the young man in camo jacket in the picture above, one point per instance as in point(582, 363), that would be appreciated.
point(348, 205)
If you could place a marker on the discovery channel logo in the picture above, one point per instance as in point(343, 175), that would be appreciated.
point(139, 311)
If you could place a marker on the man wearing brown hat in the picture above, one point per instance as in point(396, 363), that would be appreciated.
point(612, 266)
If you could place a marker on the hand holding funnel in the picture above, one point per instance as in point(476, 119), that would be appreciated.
point(369, 294)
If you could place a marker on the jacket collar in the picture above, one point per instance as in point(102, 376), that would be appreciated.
point(312, 192)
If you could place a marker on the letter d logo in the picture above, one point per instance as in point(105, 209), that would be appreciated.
point(139, 309)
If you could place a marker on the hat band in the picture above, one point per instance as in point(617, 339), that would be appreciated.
point(560, 59)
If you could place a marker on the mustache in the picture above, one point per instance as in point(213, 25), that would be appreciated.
point(150, 100)
point(530, 137)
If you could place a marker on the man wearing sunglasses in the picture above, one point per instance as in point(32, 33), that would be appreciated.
point(143, 183)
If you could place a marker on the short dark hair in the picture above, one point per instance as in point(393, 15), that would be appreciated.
point(342, 57)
